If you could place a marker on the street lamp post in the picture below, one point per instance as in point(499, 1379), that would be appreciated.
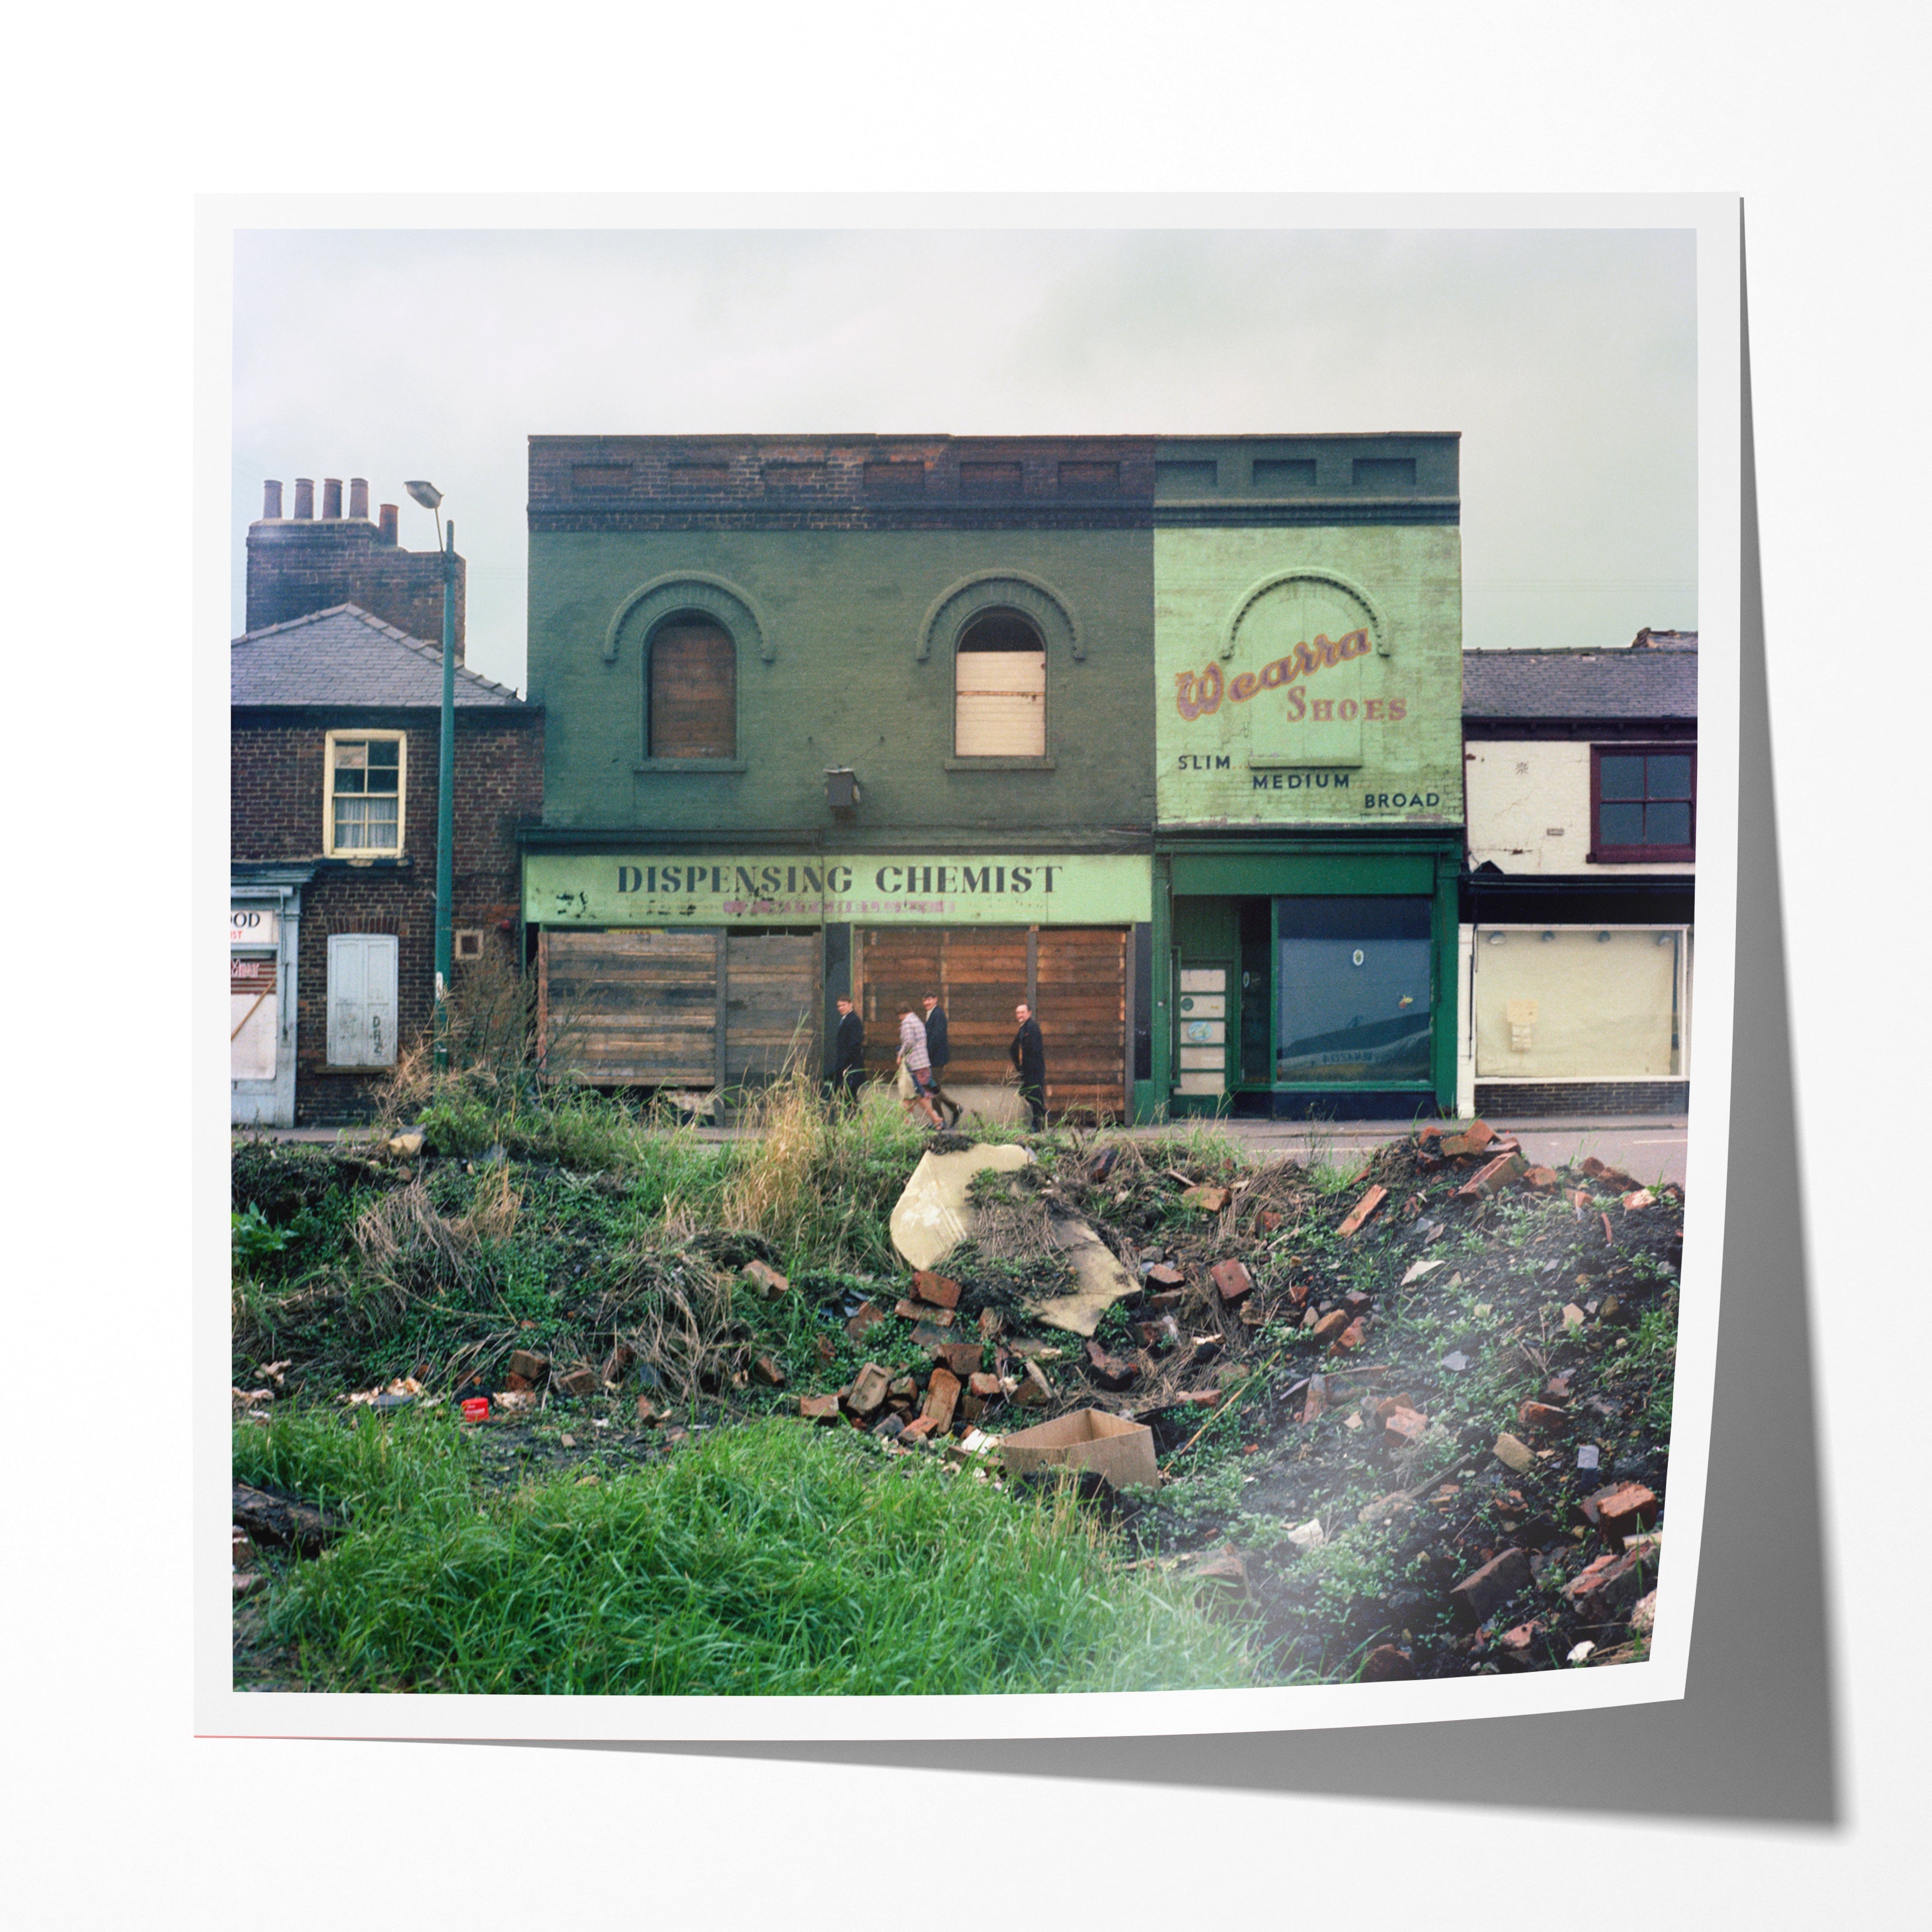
point(430, 498)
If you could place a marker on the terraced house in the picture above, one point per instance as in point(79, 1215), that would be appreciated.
point(1161, 738)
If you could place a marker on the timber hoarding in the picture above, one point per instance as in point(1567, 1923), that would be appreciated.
point(652, 886)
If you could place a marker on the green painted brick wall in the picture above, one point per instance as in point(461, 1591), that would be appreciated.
point(843, 612)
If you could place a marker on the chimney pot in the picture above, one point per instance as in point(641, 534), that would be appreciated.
point(332, 496)
point(386, 532)
point(358, 497)
point(271, 502)
point(304, 496)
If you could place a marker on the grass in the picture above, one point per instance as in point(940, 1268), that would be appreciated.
point(768, 1559)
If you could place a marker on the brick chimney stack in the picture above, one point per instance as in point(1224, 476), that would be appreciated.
point(271, 502)
point(331, 498)
point(358, 497)
point(305, 496)
point(387, 533)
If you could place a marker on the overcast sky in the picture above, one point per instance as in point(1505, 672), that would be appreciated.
point(1566, 359)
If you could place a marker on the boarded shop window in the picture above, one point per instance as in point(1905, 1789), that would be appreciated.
point(363, 812)
point(254, 1016)
point(361, 999)
point(999, 686)
point(694, 691)
point(1354, 994)
point(1566, 1003)
point(1643, 802)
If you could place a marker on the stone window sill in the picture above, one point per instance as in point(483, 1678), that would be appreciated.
point(676, 767)
point(999, 765)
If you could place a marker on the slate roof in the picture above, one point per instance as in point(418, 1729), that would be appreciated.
point(343, 658)
point(1639, 682)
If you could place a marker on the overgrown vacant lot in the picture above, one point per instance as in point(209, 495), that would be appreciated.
point(1433, 1444)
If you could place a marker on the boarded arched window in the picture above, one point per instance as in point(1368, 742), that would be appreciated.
point(1000, 689)
point(693, 690)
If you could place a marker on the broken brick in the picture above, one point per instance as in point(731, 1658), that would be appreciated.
point(1541, 1177)
point(1642, 1198)
point(813, 1408)
point(1033, 1388)
point(1210, 1199)
point(986, 1386)
point(1232, 1279)
point(825, 1348)
point(918, 1430)
point(889, 1427)
point(962, 1357)
point(868, 1390)
point(1514, 1454)
point(766, 1280)
point(942, 1396)
point(990, 1324)
point(1484, 1592)
point(1621, 1509)
point(1199, 1398)
point(1162, 1275)
point(1403, 1428)
point(1362, 1210)
point(1614, 1178)
point(937, 1289)
point(767, 1371)
point(1520, 1639)
point(1476, 1136)
point(1499, 1173)
point(1386, 1664)
point(1609, 1586)
point(516, 1384)
point(1352, 1336)
point(1539, 1418)
point(531, 1366)
point(1316, 1400)
point(1573, 1315)
point(648, 1413)
point(929, 1335)
point(581, 1379)
point(1329, 1327)
point(924, 1313)
point(1111, 1372)
point(863, 1318)
point(1269, 1220)
point(904, 1388)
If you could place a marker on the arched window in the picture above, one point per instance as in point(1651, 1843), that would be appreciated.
point(1000, 689)
point(693, 691)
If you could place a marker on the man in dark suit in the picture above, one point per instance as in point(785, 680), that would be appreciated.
point(848, 1064)
point(1028, 1054)
point(937, 1053)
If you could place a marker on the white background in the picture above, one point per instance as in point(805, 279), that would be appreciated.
point(117, 1816)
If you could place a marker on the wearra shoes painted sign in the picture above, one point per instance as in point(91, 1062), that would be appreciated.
point(667, 888)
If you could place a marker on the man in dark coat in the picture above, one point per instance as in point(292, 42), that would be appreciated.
point(936, 1053)
point(848, 1064)
point(1028, 1054)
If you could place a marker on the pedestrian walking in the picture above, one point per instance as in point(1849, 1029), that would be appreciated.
point(1028, 1054)
point(937, 1054)
point(848, 1063)
point(917, 1066)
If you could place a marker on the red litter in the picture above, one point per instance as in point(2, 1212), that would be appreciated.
point(475, 1407)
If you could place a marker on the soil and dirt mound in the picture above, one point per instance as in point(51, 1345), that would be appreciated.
point(1411, 1421)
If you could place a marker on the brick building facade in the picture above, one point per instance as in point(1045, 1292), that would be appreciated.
point(304, 563)
point(334, 730)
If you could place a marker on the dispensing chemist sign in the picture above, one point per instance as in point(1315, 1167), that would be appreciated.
point(669, 888)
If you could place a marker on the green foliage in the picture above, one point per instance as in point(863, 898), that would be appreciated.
point(251, 1238)
point(769, 1560)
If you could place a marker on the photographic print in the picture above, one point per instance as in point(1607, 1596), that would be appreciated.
point(980, 961)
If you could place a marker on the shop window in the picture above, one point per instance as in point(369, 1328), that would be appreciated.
point(1000, 689)
point(1643, 803)
point(361, 999)
point(362, 810)
point(1353, 997)
point(1567, 1002)
point(693, 697)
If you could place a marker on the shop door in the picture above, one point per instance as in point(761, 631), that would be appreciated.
point(1202, 1023)
point(1081, 1002)
point(772, 1005)
point(630, 1008)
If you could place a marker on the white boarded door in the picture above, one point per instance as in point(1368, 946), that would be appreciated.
point(361, 999)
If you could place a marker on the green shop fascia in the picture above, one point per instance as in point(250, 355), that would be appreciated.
point(1308, 842)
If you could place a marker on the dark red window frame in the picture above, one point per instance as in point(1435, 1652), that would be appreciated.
point(1606, 854)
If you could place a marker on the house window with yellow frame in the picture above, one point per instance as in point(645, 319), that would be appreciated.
point(362, 809)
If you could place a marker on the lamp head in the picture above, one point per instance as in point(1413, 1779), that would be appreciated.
point(426, 494)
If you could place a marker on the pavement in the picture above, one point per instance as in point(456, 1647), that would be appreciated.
point(1652, 1150)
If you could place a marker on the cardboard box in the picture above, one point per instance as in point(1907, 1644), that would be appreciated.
point(1120, 1451)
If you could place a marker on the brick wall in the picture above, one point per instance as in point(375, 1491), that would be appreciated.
point(1505, 1100)
point(276, 813)
point(299, 566)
